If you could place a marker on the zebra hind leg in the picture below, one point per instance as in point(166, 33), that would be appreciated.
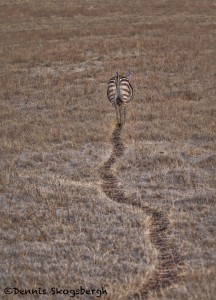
point(118, 115)
point(122, 115)
point(124, 112)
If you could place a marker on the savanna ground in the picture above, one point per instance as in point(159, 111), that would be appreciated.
point(58, 227)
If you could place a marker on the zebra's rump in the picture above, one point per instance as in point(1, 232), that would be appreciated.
point(119, 92)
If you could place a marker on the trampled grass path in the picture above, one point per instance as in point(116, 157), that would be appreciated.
point(168, 265)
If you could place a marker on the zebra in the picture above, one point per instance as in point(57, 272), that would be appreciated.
point(119, 93)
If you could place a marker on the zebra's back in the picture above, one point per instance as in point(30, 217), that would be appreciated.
point(119, 90)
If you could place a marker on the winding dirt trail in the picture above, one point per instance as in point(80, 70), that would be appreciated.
point(168, 262)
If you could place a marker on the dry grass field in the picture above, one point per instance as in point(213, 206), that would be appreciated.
point(84, 203)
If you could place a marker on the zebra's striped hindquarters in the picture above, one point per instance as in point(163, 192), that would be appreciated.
point(120, 93)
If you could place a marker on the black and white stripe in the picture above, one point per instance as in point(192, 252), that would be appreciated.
point(120, 93)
